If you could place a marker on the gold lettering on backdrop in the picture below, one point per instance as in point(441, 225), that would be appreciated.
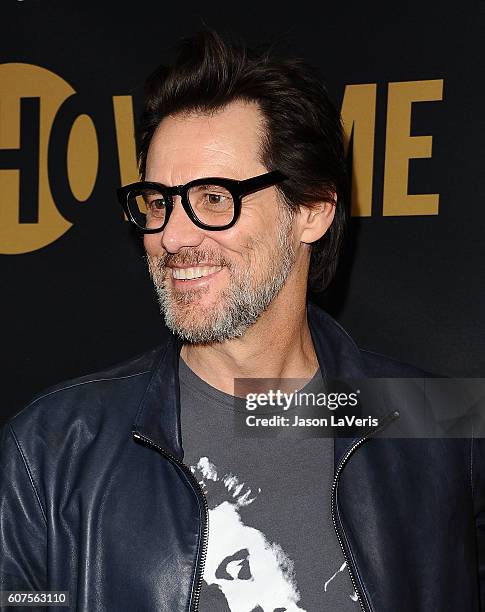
point(359, 117)
point(30, 97)
point(401, 147)
point(125, 137)
point(82, 157)
point(44, 91)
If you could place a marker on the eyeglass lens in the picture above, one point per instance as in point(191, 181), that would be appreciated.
point(212, 204)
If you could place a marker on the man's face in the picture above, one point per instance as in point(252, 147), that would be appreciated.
point(251, 260)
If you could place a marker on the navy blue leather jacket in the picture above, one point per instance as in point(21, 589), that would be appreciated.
point(95, 498)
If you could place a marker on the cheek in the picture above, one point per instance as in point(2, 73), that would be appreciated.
point(152, 244)
point(252, 227)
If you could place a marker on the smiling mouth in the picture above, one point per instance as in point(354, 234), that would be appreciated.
point(195, 272)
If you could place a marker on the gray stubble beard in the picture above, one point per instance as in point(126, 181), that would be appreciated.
point(239, 306)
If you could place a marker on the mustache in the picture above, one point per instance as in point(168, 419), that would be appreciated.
point(190, 258)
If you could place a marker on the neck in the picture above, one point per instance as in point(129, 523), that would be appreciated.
point(278, 345)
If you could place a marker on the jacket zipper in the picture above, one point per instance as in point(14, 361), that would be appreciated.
point(194, 603)
point(366, 607)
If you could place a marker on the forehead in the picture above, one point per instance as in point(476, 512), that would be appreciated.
point(187, 146)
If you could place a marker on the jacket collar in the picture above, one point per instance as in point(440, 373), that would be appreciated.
point(158, 416)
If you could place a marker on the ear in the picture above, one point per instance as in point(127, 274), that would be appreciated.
point(315, 221)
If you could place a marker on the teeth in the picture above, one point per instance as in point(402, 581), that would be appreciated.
point(187, 273)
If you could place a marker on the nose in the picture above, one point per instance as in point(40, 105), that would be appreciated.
point(180, 231)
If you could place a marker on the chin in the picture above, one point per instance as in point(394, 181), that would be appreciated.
point(195, 329)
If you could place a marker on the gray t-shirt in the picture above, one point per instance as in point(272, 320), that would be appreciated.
point(272, 545)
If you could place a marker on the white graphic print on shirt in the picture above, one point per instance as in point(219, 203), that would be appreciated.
point(250, 571)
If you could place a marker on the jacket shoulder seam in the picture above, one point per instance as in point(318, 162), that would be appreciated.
point(29, 474)
point(471, 463)
point(79, 384)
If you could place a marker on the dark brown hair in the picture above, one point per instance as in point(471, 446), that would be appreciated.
point(303, 130)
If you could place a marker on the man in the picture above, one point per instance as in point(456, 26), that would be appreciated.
point(131, 489)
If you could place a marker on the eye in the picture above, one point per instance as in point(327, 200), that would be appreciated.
point(215, 198)
point(156, 204)
point(156, 207)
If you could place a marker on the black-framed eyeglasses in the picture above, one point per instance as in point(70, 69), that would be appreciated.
point(211, 203)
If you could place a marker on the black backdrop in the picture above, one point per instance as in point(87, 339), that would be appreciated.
point(76, 296)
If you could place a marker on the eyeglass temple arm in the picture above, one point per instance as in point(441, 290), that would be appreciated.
point(260, 182)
